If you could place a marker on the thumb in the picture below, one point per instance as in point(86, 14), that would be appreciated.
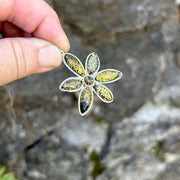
point(20, 57)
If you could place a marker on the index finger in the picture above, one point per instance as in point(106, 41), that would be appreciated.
point(36, 17)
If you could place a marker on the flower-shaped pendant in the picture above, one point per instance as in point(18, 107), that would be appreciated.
point(88, 80)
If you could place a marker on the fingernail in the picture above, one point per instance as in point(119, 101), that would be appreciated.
point(50, 56)
point(64, 43)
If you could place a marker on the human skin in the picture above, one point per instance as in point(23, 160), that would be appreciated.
point(32, 39)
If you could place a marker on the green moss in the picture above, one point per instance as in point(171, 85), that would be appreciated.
point(98, 168)
point(98, 121)
point(85, 149)
point(6, 176)
point(156, 151)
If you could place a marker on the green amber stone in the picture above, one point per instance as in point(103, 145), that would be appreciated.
point(85, 100)
point(89, 80)
point(108, 75)
point(103, 92)
point(71, 84)
point(92, 63)
point(74, 64)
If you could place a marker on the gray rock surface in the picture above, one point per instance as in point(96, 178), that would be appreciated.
point(145, 145)
point(57, 160)
point(137, 136)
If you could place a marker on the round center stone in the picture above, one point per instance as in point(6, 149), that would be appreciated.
point(89, 80)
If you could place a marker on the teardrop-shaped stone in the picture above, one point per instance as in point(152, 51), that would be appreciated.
point(92, 63)
point(103, 93)
point(108, 75)
point(74, 64)
point(85, 101)
point(71, 85)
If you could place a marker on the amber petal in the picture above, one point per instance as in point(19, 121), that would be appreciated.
point(108, 76)
point(92, 63)
point(74, 64)
point(103, 93)
point(71, 84)
point(85, 101)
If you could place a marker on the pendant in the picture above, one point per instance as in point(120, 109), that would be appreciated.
point(88, 80)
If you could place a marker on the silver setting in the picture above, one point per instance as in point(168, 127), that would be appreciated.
point(84, 85)
point(69, 67)
point(120, 75)
point(101, 97)
point(87, 62)
point(79, 103)
point(71, 78)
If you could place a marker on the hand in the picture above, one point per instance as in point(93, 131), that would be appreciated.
point(32, 37)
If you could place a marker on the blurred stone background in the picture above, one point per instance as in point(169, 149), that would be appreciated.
point(137, 137)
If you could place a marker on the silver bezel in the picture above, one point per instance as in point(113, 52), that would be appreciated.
point(95, 72)
point(101, 97)
point(92, 98)
point(60, 86)
point(69, 67)
point(120, 76)
point(93, 75)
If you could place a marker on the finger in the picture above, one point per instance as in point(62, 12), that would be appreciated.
point(10, 30)
point(25, 34)
point(21, 57)
point(35, 17)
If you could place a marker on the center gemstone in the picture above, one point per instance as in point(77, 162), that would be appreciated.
point(88, 80)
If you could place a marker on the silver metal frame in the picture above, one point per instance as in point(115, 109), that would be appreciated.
point(60, 86)
point(101, 97)
point(69, 67)
point(95, 72)
point(82, 88)
point(120, 75)
point(92, 98)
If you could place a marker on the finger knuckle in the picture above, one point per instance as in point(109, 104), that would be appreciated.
point(20, 58)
